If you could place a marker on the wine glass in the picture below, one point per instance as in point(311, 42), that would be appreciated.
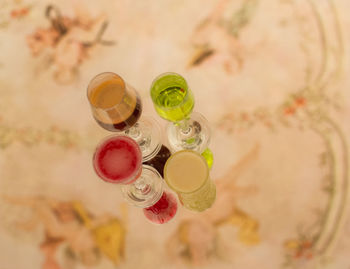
point(117, 107)
point(118, 159)
point(187, 173)
point(174, 101)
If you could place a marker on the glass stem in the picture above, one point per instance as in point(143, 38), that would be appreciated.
point(141, 185)
point(185, 126)
point(134, 131)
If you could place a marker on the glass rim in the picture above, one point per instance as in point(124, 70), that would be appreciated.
point(100, 75)
point(162, 75)
point(192, 152)
point(130, 179)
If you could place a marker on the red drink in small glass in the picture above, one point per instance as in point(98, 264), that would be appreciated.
point(118, 159)
point(162, 211)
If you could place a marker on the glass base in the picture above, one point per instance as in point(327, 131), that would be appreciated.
point(147, 133)
point(146, 190)
point(191, 134)
point(199, 200)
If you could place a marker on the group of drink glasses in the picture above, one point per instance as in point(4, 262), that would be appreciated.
point(136, 159)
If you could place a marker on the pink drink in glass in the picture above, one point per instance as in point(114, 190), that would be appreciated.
point(118, 159)
point(162, 211)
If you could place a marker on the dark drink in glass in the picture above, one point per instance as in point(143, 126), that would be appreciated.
point(115, 106)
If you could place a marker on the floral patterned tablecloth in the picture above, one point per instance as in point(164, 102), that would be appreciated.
point(271, 78)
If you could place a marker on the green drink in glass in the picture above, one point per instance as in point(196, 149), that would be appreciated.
point(174, 101)
point(171, 97)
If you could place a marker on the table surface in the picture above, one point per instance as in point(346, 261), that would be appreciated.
point(271, 78)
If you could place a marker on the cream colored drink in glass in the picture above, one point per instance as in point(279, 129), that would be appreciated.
point(186, 172)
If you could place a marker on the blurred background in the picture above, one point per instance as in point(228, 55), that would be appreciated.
point(271, 78)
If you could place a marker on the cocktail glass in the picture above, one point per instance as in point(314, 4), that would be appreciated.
point(117, 107)
point(174, 101)
point(187, 173)
point(118, 160)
